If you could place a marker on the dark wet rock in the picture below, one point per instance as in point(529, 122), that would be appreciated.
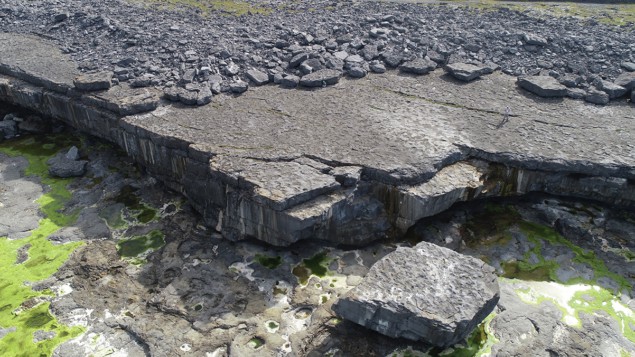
point(393, 59)
point(8, 129)
point(94, 81)
point(464, 71)
point(257, 77)
point(424, 293)
point(542, 86)
point(377, 67)
point(357, 72)
point(633, 96)
point(418, 66)
point(613, 90)
point(321, 78)
point(597, 96)
point(66, 165)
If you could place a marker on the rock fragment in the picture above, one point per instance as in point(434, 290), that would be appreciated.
point(626, 80)
point(418, 66)
point(542, 86)
point(464, 71)
point(93, 81)
point(67, 164)
point(323, 77)
point(258, 77)
point(239, 87)
point(597, 97)
point(612, 89)
point(427, 293)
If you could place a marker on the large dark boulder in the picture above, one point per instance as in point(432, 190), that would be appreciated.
point(427, 293)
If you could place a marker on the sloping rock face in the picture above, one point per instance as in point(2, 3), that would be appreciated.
point(284, 165)
point(424, 293)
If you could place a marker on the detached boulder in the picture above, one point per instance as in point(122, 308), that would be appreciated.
point(427, 293)
point(67, 164)
point(612, 89)
point(626, 80)
point(93, 81)
point(542, 86)
point(466, 72)
point(323, 77)
point(418, 66)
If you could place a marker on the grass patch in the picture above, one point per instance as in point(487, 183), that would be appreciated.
point(205, 7)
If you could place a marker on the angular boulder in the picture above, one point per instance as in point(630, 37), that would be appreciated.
point(93, 81)
point(418, 66)
point(465, 72)
point(612, 89)
point(67, 164)
point(323, 77)
point(626, 80)
point(542, 86)
point(426, 293)
point(597, 97)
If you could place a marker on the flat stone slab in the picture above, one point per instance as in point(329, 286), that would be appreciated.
point(543, 86)
point(424, 293)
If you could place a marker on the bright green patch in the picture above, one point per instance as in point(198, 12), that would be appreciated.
point(479, 343)
point(256, 343)
point(273, 325)
point(267, 261)
point(316, 265)
point(599, 299)
point(525, 271)
point(136, 246)
point(44, 258)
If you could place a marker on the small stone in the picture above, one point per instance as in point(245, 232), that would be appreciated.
point(357, 72)
point(60, 17)
point(393, 59)
point(612, 89)
point(377, 67)
point(290, 81)
point(532, 39)
point(239, 87)
point(626, 80)
point(370, 52)
point(8, 129)
point(597, 97)
point(354, 59)
point(297, 59)
point(418, 66)
point(60, 166)
point(542, 86)
point(257, 77)
point(629, 66)
point(143, 81)
point(436, 57)
point(321, 78)
point(576, 93)
point(204, 96)
point(73, 153)
point(93, 81)
point(232, 69)
point(633, 97)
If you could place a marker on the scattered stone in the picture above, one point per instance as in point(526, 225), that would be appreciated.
point(532, 39)
point(464, 71)
point(8, 129)
point(612, 89)
point(418, 66)
point(297, 59)
point(377, 67)
point(323, 77)
point(143, 81)
point(239, 87)
point(204, 96)
point(597, 97)
point(290, 81)
point(626, 80)
point(629, 66)
point(66, 165)
point(392, 59)
point(357, 72)
point(427, 293)
point(576, 93)
point(258, 77)
point(542, 86)
point(93, 81)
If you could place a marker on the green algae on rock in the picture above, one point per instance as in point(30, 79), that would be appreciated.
point(267, 261)
point(43, 257)
point(136, 246)
point(316, 265)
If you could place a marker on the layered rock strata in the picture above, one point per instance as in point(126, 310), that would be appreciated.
point(356, 162)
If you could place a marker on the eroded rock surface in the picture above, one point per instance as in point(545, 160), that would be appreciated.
point(424, 293)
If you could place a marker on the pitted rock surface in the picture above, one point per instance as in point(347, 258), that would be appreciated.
point(424, 293)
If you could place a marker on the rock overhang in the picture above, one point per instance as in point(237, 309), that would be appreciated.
point(350, 163)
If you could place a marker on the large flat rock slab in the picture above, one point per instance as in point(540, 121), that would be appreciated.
point(427, 293)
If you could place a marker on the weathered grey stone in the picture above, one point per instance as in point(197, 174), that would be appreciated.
point(72, 154)
point(613, 90)
point(596, 97)
point(257, 77)
point(93, 81)
point(124, 100)
point(297, 59)
point(393, 59)
point(633, 96)
point(533, 39)
point(377, 67)
point(239, 87)
point(626, 80)
point(542, 86)
point(464, 71)
point(576, 93)
point(418, 66)
point(424, 293)
point(61, 166)
point(357, 72)
point(8, 129)
point(290, 81)
point(323, 77)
